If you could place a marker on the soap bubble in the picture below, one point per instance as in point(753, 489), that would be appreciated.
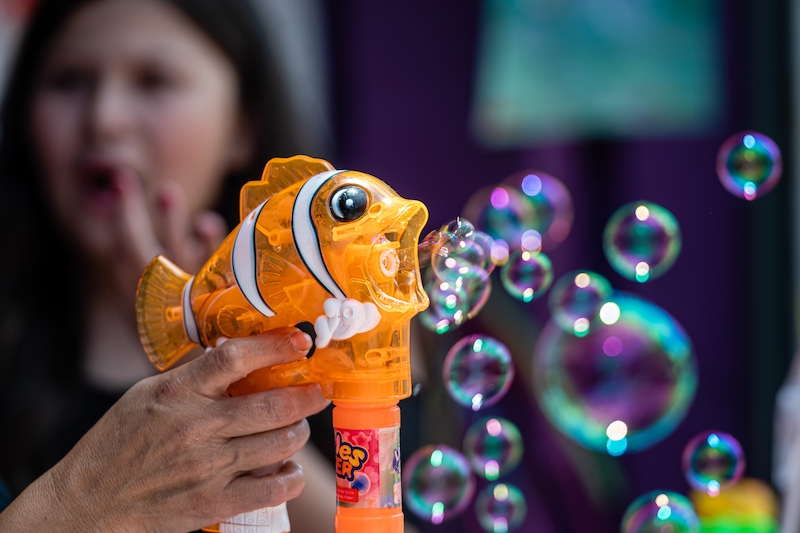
point(749, 164)
point(503, 212)
point(641, 241)
point(500, 252)
point(625, 385)
point(713, 461)
point(427, 247)
point(526, 276)
point(576, 300)
point(485, 241)
point(500, 508)
point(531, 241)
point(459, 229)
point(552, 205)
point(493, 446)
point(437, 483)
point(452, 303)
point(661, 511)
point(460, 260)
point(478, 371)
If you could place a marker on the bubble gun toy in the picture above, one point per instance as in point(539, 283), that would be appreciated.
point(335, 248)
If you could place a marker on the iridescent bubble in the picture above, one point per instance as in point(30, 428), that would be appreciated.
point(503, 212)
point(552, 205)
point(460, 260)
point(452, 303)
point(661, 511)
point(478, 371)
point(427, 247)
point(531, 241)
point(642, 240)
point(459, 228)
point(625, 385)
point(500, 252)
point(526, 276)
point(576, 300)
point(713, 461)
point(493, 446)
point(437, 483)
point(485, 241)
point(749, 164)
point(500, 508)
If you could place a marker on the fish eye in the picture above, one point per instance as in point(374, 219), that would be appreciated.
point(349, 203)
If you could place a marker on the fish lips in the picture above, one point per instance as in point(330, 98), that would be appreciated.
point(393, 261)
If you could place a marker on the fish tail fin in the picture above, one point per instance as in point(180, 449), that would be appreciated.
point(159, 313)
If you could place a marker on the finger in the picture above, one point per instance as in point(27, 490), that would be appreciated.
point(211, 231)
point(133, 224)
point(250, 493)
point(265, 411)
point(174, 227)
point(213, 371)
point(255, 451)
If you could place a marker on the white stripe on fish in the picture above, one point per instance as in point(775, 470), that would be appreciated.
point(244, 262)
point(305, 233)
point(189, 322)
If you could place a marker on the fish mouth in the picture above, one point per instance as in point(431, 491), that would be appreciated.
point(393, 262)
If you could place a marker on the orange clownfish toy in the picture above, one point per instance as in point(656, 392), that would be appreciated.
point(333, 248)
point(336, 248)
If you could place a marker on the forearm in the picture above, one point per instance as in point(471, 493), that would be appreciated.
point(39, 508)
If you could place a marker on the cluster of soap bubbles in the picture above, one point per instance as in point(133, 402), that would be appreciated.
point(478, 371)
point(612, 371)
point(438, 485)
point(712, 461)
point(526, 202)
point(458, 282)
point(514, 221)
point(529, 212)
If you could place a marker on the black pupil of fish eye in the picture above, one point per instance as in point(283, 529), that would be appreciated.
point(349, 203)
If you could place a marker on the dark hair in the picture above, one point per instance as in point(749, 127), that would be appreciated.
point(41, 309)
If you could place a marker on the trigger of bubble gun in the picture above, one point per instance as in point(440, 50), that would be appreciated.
point(336, 249)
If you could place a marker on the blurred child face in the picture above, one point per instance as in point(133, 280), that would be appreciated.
point(132, 84)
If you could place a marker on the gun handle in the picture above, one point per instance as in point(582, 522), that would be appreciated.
point(263, 379)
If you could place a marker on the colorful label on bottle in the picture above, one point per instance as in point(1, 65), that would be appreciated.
point(368, 468)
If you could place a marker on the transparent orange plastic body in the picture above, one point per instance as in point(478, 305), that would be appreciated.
point(372, 260)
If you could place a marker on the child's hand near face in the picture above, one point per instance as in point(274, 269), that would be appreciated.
point(159, 223)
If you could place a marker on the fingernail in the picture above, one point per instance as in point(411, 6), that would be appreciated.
point(300, 340)
point(164, 200)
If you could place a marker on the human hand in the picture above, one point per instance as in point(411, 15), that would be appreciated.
point(175, 453)
point(148, 223)
point(148, 219)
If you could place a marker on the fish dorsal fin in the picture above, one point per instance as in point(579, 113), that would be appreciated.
point(280, 173)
